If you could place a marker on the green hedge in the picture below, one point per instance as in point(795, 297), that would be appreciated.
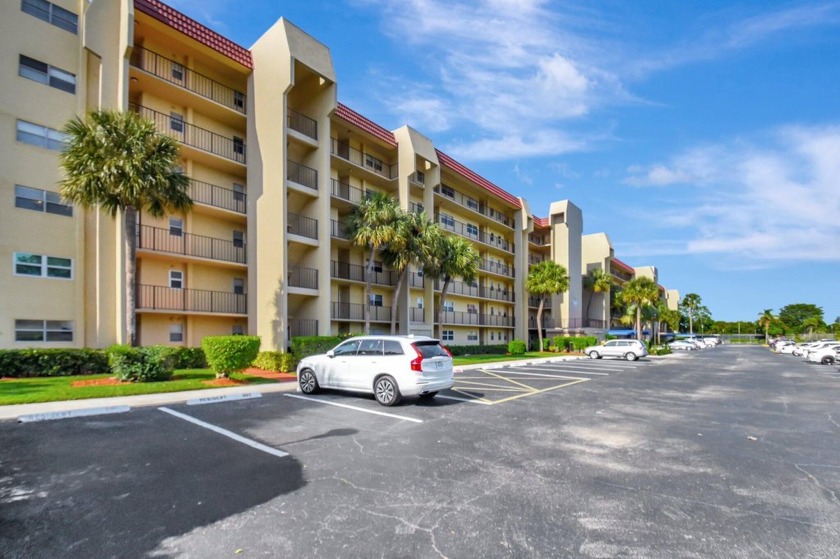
point(189, 358)
point(24, 363)
point(516, 347)
point(573, 343)
point(142, 364)
point(228, 354)
point(276, 361)
point(304, 346)
point(458, 350)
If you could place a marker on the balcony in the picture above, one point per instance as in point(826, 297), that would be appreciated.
point(472, 232)
point(217, 196)
point(339, 230)
point(356, 312)
point(193, 136)
point(416, 208)
point(548, 323)
point(354, 272)
point(344, 191)
point(497, 294)
point(162, 298)
point(343, 150)
point(535, 302)
point(302, 226)
point(415, 279)
point(539, 240)
point(535, 259)
point(472, 204)
point(302, 123)
point(302, 327)
point(459, 288)
point(417, 314)
point(496, 268)
point(475, 319)
point(163, 240)
point(174, 73)
point(302, 175)
point(305, 278)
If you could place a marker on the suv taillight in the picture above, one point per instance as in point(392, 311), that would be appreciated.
point(446, 349)
point(417, 362)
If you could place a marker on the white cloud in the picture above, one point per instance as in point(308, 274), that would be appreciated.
point(209, 12)
point(547, 142)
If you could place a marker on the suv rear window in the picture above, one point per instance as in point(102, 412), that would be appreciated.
point(430, 349)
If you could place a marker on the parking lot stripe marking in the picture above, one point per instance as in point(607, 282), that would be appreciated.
point(404, 418)
point(549, 376)
point(226, 433)
point(572, 371)
point(471, 400)
point(578, 381)
point(508, 379)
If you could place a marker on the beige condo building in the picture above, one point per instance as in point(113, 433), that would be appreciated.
point(276, 164)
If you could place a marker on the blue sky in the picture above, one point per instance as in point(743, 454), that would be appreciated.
point(703, 137)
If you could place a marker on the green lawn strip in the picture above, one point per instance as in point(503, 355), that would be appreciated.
point(477, 359)
point(53, 389)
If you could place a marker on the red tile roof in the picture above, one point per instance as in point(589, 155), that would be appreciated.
point(541, 221)
point(351, 116)
point(621, 264)
point(194, 30)
point(476, 178)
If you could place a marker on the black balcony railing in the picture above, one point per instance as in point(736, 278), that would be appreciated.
point(356, 311)
point(372, 163)
point(497, 294)
point(354, 272)
point(548, 323)
point(416, 208)
point(535, 302)
point(338, 230)
point(475, 319)
point(301, 174)
point(306, 278)
point(162, 240)
point(472, 232)
point(301, 123)
point(177, 74)
point(496, 268)
point(539, 240)
point(217, 196)
point(302, 225)
point(473, 204)
point(459, 288)
point(344, 191)
point(158, 297)
point(568, 323)
point(191, 135)
point(415, 279)
point(535, 260)
point(302, 327)
point(417, 314)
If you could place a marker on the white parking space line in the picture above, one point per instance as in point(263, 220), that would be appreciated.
point(572, 371)
point(404, 418)
point(525, 373)
point(226, 433)
point(588, 365)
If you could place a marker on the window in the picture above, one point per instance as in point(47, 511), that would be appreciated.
point(377, 267)
point(419, 302)
point(448, 306)
point(447, 221)
point(41, 201)
point(373, 162)
point(472, 204)
point(239, 100)
point(176, 332)
point(238, 192)
point(447, 335)
point(472, 336)
point(40, 266)
point(237, 330)
point(177, 72)
point(420, 177)
point(472, 230)
point(176, 122)
point(42, 72)
point(447, 191)
point(347, 348)
point(471, 309)
point(176, 279)
point(393, 347)
point(238, 145)
point(370, 347)
point(239, 239)
point(40, 136)
point(51, 14)
point(176, 226)
point(375, 300)
point(239, 286)
point(43, 330)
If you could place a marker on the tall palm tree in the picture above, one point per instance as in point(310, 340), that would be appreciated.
point(765, 319)
point(371, 226)
point(449, 257)
point(118, 162)
point(691, 303)
point(411, 245)
point(672, 319)
point(597, 280)
point(545, 279)
point(640, 292)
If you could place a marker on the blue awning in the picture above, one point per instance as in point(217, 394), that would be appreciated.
point(626, 332)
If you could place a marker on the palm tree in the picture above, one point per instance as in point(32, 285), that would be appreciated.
point(449, 257)
point(371, 226)
point(544, 279)
point(597, 281)
point(410, 245)
point(118, 162)
point(691, 303)
point(765, 319)
point(672, 319)
point(640, 292)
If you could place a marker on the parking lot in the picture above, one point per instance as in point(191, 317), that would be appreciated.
point(728, 452)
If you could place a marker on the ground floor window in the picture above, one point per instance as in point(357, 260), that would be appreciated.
point(472, 336)
point(43, 330)
point(447, 335)
point(176, 332)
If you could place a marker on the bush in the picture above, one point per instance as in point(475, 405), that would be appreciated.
point(304, 346)
point(459, 350)
point(25, 363)
point(142, 364)
point(663, 350)
point(276, 361)
point(190, 358)
point(574, 343)
point(516, 347)
point(228, 354)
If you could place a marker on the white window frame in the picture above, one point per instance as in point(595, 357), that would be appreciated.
point(472, 230)
point(447, 335)
point(447, 191)
point(44, 265)
point(41, 72)
point(420, 302)
point(238, 239)
point(39, 136)
point(176, 227)
point(472, 309)
point(44, 201)
point(178, 71)
point(176, 122)
point(375, 300)
point(373, 162)
point(472, 336)
point(47, 329)
point(238, 192)
point(239, 289)
point(176, 277)
point(176, 332)
point(448, 306)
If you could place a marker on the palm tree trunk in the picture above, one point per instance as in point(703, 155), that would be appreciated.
point(589, 304)
point(368, 280)
point(441, 301)
point(539, 322)
point(130, 230)
point(690, 323)
point(395, 302)
point(639, 322)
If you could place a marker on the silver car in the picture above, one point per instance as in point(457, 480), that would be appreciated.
point(389, 367)
point(622, 349)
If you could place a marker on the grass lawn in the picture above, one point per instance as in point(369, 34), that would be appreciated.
point(476, 359)
point(52, 389)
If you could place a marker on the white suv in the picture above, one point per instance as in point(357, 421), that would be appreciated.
point(627, 349)
point(389, 367)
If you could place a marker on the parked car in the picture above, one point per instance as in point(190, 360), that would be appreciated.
point(779, 344)
point(788, 348)
point(682, 345)
point(715, 340)
point(800, 349)
point(622, 349)
point(389, 367)
point(826, 356)
point(819, 347)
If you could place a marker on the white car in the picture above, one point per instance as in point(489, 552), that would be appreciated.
point(682, 345)
point(820, 347)
point(787, 348)
point(826, 355)
point(777, 347)
point(389, 367)
point(623, 349)
point(714, 340)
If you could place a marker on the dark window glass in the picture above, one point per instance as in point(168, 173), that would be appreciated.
point(393, 347)
point(347, 348)
point(430, 349)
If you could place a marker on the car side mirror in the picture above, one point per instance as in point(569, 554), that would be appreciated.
point(330, 353)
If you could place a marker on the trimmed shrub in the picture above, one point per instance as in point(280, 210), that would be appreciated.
point(516, 347)
point(190, 358)
point(663, 350)
point(228, 354)
point(25, 363)
point(304, 346)
point(142, 364)
point(276, 361)
point(459, 350)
